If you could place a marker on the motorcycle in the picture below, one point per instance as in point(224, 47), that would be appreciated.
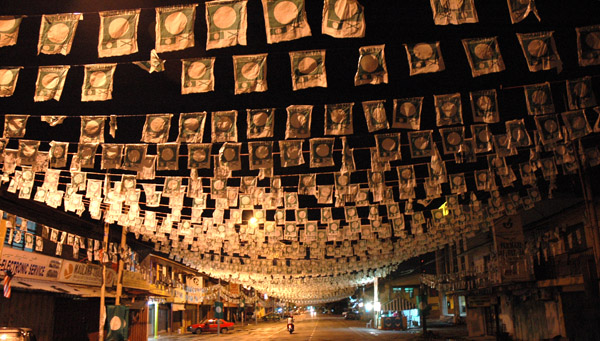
point(290, 327)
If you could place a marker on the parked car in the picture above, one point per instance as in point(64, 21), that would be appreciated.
point(16, 334)
point(210, 325)
point(272, 317)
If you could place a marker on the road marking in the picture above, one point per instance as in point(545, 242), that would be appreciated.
point(313, 332)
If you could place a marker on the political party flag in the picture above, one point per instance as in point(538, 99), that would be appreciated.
point(375, 115)
point(484, 105)
point(285, 20)
point(8, 80)
point(227, 23)
point(15, 125)
point(298, 121)
point(261, 154)
point(321, 152)
point(98, 82)
point(112, 154)
point(424, 58)
point(92, 129)
point(156, 128)
point(9, 29)
point(290, 153)
point(520, 9)
point(539, 99)
point(57, 32)
point(580, 94)
point(388, 146)
point(588, 45)
point(199, 155)
point(197, 75)
point(224, 126)
point(191, 127)
point(420, 143)
point(372, 68)
point(483, 55)
point(482, 138)
point(261, 123)
point(118, 33)
point(539, 50)
point(407, 113)
point(576, 123)
point(453, 12)
point(517, 134)
point(448, 109)
point(117, 318)
point(343, 19)
point(548, 128)
point(250, 73)
point(338, 119)
point(134, 156)
point(168, 156)
point(308, 69)
point(50, 82)
point(175, 27)
point(452, 139)
point(229, 156)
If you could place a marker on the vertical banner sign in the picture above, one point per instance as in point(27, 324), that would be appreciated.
point(57, 32)
point(175, 27)
point(343, 19)
point(98, 82)
point(219, 310)
point(118, 33)
point(227, 23)
point(509, 241)
point(9, 30)
point(50, 82)
point(117, 318)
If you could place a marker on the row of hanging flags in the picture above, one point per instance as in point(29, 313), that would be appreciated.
point(226, 22)
point(308, 67)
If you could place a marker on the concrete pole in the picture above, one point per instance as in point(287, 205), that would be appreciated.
point(375, 301)
point(103, 287)
point(121, 266)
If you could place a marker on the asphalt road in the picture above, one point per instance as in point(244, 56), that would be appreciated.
point(320, 328)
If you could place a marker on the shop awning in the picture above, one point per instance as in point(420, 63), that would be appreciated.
point(58, 287)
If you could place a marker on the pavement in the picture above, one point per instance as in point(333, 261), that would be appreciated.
point(325, 328)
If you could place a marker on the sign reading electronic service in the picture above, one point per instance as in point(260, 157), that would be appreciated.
point(30, 265)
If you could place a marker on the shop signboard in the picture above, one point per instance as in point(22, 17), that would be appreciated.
point(32, 265)
point(509, 241)
point(85, 274)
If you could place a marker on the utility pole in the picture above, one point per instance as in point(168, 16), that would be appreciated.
point(103, 287)
point(121, 266)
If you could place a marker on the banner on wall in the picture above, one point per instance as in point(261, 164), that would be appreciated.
point(30, 265)
point(509, 242)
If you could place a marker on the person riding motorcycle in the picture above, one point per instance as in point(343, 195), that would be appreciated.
point(290, 324)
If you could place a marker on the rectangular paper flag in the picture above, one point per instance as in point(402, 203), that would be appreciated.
point(191, 127)
point(520, 9)
point(454, 12)
point(175, 27)
point(98, 82)
point(540, 51)
point(227, 23)
point(484, 105)
point(448, 109)
point(118, 33)
point(260, 123)
point(338, 119)
point(343, 19)
point(484, 55)
point(197, 75)
point(588, 45)
point(50, 82)
point(285, 20)
point(224, 126)
point(372, 68)
point(9, 29)
point(9, 78)
point(407, 113)
point(250, 73)
point(308, 69)
point(298, 121)
point(57, 32)
point(424, 58)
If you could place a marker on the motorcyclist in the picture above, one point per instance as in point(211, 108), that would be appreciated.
point(290, 322)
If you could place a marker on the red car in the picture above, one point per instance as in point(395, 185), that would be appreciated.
point(210, 325)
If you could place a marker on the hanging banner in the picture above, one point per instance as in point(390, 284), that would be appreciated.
point(407, 113)
point(375, 115)
point(343, 19)
point(580, 94)
point(448, 109)
point(92, 129)
point(50, 82)
point(285, 20)
point(509, 242)
point(9, 29)
point(424, 58)
point(483, 55)
point(261, 123)
point(224, 126)
point(197, 75)
point(118, 33)
point(420, 143)
point(372, 68)
point(98, 82)
point(227, 23)
point(484, 105)
point(250, 73)
point(291, 153)
point(588, 45)
point(388, 146)
point(191, 127)
point(8, 80)
point(117, 318)
point(15, 126)
point(453, 12)
point(539, 99)
point(156, 128)
point(540, 51)
point(168, 156)
point(520, 9)
point(321, 152)
point(298, 121)
point(261, 154)
point(308, 69)
point(175, 27)
point(199, 155)
point(57, 32)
